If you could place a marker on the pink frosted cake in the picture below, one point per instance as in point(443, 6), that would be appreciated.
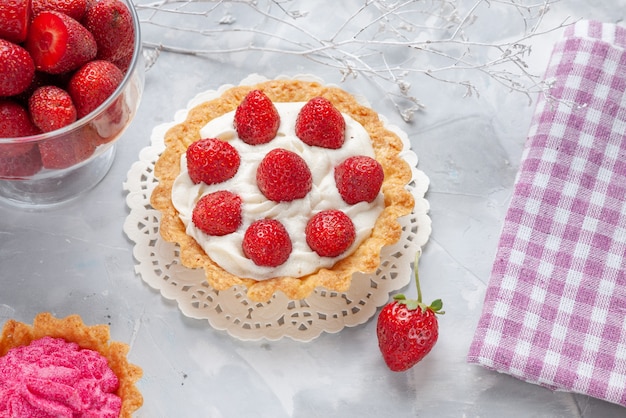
point(62, 368)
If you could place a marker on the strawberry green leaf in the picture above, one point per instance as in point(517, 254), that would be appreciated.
point(436, 306)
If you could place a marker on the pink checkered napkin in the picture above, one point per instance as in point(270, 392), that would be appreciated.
point(555, 308)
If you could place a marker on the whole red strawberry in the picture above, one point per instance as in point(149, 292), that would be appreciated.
point(320, 124)
point(14, 20)
point(256, 119)
point(217, 213)
point(19, 166)
point(16, 69)
point(359, 179)
point(58, 43)
point(73, 8)
point(267, 243)
point(15, 122)
point(111, 23)
point(66, 151)
point(283, 176)
point(407, 329)
point(92, 84)
point(17, 159)
point(330, 233)
point(212, 161)
point(51, 108)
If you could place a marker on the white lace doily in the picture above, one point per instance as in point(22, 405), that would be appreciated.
point(230, 310)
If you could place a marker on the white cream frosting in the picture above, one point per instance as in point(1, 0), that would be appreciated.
point(226, 250)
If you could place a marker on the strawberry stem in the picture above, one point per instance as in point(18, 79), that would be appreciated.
point(411, 304)
point(417, 277)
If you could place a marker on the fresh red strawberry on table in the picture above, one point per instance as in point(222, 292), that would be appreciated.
point(16, 69)
point(359, 179)
point(320, 124)
point(283, 176)
point(58, 43)
point(217, 213)
point(92, 84)
point(51, 108)
point(73, 8)
point(407, 329)
point(330, 233)
point(14, 19)
point(267, 243)
point(111, 23)
point(256, 119)
point(211, 161)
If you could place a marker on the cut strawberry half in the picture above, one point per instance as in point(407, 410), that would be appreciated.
point(58, 43)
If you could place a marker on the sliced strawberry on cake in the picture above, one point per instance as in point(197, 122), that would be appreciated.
point(359, 179)
point(330, 233)
point(256, 119)
point(218, 213)
point(320, 124)
point(283, 176)
point(267, 243)
point(212, 161)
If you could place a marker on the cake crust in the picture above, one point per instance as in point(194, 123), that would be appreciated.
point(366, 258)
point(96, 337)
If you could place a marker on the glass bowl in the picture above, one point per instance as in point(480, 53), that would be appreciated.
point(88, 144)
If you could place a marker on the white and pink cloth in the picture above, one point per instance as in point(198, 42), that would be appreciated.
point(555, 308)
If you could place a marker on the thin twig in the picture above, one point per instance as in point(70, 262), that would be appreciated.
point(430, 28)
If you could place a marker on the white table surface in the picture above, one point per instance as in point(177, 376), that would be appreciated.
point(77, 259)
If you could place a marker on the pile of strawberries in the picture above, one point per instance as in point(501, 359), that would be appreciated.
point(59, 61)
point(282, 176)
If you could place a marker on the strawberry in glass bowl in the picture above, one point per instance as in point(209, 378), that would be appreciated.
point(71, 78)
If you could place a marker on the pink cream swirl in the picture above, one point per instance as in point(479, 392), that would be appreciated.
point(55, 378)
